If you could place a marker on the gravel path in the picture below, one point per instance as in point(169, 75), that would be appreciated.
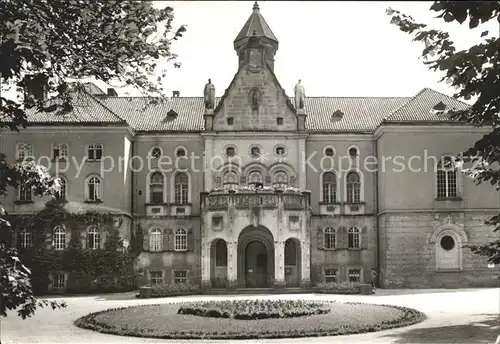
point(454, 316)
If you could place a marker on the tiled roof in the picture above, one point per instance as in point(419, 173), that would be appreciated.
point(143, 115)
point(258, 24)
point(418, 108)
point(363, 114)
point(359, 114)
point(86, 109)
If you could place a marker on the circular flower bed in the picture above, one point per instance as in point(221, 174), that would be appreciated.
point(164, 321)
point(254, 309)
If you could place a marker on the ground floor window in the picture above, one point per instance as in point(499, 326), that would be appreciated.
point(354, 275)
point(330, 275)
point(58, 280)
point(180, 276)
point(156, 277)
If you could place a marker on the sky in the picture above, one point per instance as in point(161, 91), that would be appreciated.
point(339, 48)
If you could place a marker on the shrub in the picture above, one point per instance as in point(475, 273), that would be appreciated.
point(254, 309)
point(173, 289)
point(340, 287)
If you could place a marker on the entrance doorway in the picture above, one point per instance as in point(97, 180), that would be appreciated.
point(255, 258)
point(256, 265)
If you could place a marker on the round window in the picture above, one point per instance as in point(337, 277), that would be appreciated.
point(329, 152)
point(353, 152)
point(447, 243)
point(180, 152)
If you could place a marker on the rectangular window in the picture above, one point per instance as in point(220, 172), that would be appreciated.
point(180, 276)
point(58, 280)
point(330, 275)
point(279, 121)
point(156, 277)
point(24, 193)
point(354, 275)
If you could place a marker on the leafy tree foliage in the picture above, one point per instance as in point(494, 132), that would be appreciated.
point(46, 43)
point(46, 46)
point(475, 74)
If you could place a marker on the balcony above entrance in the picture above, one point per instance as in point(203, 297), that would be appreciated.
point(245, 198)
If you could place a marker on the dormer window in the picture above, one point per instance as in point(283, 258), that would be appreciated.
point(337, 116)
point(440, 106)
point(171, 115)
point(230, 121)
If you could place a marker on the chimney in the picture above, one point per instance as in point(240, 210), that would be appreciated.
point(112, 92)
point(175, 94)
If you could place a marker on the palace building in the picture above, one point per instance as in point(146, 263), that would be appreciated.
point(258, 189)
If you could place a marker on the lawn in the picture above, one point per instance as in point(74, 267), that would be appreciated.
point(163, 321)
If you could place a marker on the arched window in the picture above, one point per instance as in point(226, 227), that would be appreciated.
point(94, 192)
point(329, 238)
point(156, 240)
point(353, 188)
point(221, 253)
point(180, 240)
point(156, 183)
point(25, 239)
point(93, 238)
point(446, 178)
point(280, 180)
point(353, 238)
point(230, 180)
point(23, 151)
point(329, 188)
point(181, 188)
point(59, 238)
point(94, 152)
point(255, 178)
point(63, 191)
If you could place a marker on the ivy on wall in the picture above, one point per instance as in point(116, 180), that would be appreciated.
point(108, 269)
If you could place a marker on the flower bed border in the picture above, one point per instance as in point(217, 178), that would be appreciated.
point(410, 317)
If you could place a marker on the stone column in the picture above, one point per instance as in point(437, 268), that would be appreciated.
point(279, 264)
point(207, 164)
point(305, 255)
point(205, 265)
point(302, 156)
point(232, 264)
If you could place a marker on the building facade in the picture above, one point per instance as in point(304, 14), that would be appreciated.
point(259, 189)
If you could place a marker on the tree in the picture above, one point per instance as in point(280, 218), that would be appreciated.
point(46, 46)
point(47, 43)
point(475, 74)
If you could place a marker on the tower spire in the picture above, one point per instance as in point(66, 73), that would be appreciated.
point(256, 31)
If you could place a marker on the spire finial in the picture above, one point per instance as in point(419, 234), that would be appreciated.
point(255, 6)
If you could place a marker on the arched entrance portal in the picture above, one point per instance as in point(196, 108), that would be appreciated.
point(255, 258)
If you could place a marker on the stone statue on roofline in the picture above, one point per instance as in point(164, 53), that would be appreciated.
point(209, 95)
point(300, 95)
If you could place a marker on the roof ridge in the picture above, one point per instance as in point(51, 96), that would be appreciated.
point(104, 106)
point(404, 104)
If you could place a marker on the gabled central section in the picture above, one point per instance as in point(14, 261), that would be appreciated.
point(254, 101)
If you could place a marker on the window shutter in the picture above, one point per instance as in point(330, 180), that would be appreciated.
point(170, 240)
point(190, 239)
point(67, 238)
point(145, 240)
point(83, 239)
point(342, 237)
point(364, 237)
point(165, 240)
point(50, 239)
point(320, 239)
